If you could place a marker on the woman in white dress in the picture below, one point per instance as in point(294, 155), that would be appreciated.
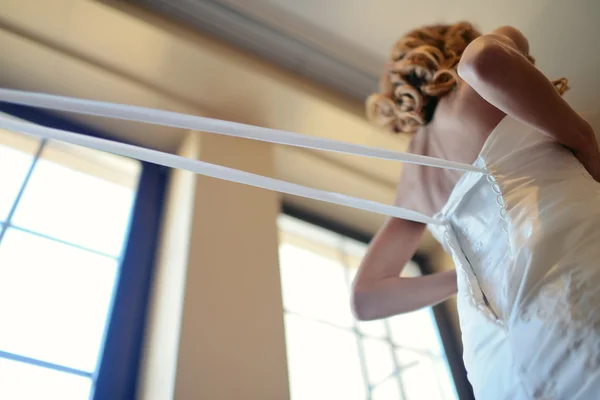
point(525, 236)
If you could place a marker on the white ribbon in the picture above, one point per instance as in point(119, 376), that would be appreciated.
point(166, 118)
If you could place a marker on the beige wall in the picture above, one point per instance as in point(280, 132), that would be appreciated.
point(232, 336)
point(216, 327)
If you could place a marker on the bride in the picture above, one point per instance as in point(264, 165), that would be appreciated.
point(525, 236)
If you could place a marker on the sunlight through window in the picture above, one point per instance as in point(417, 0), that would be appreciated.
point(333, 356)
point(64, 217)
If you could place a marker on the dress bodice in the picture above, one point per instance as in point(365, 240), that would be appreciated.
point(527, 228)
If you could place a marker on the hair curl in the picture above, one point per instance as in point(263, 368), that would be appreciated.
point(421, 71)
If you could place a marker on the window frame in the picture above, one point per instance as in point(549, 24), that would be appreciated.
point(118, 364)
point(450, 341)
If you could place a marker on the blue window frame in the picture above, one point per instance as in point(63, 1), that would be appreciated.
point(114, 375)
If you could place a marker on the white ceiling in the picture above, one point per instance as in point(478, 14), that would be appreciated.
point(374, 26)
point(359, 33)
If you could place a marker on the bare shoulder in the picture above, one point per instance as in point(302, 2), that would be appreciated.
point(515, 36)
point(474, 117)
point(461, 125)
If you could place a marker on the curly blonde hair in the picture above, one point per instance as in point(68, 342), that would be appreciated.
point(421, 71)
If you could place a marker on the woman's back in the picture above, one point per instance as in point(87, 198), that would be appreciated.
point(461, 125)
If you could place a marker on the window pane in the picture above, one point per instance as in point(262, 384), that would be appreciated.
point(387, 390)
point(314, 286)
point(80, 196)
point(375, 329)
point(411, 270)
point(53, 300)
point(315, 290)
point(16, 156)
point(422, 377)
point(445, 380)
point(323, 361)
point(20, 381)
point(379, 360)
point(407, 358)
point(422, 333)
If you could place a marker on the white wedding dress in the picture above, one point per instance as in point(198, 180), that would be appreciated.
point(526, 243)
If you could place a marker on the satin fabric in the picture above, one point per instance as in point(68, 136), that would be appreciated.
point(526, 243)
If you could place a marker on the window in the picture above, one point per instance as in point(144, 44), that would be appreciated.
point(333, 356)
point(65, 213)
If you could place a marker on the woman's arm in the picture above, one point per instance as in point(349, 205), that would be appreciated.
point(378, 291)
point(495, 67)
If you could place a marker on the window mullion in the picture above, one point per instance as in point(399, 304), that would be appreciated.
point(397, 367)
point(22, 188)
point(44, 364)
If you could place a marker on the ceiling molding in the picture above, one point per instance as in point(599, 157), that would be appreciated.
point(344, 69)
